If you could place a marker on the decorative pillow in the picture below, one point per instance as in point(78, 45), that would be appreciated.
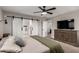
point(19, 42)
point(10, 46)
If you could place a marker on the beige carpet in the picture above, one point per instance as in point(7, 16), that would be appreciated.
point(68, 48)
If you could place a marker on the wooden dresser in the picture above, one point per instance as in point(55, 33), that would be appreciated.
point(67, 36)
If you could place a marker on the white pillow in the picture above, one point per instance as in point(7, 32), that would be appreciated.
point(10, 46)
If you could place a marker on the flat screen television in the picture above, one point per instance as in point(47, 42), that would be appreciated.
point(65, 24)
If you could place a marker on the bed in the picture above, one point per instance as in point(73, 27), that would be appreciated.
point(33, 46)
point(36, 44)
point(54, 46)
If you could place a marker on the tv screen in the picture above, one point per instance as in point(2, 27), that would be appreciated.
point(65, 24)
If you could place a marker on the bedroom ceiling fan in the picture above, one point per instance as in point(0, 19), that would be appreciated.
point(45, 11)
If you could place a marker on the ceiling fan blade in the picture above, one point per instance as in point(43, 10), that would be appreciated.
point(49, 13)
point(38, 12)
point(41, 8)
point(51, 9)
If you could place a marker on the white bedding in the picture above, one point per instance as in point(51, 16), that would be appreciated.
point(33, 46)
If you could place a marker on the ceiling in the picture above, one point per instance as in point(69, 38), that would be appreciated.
point(28, 10)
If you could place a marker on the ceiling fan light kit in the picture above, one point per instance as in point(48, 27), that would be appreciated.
point(45, 11)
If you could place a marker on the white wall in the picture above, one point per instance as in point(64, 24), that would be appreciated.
point(1, 23)
point(8, 27)
point(71, 15)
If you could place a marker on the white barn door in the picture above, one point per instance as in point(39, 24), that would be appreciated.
point(17, 27)
point(35, 27)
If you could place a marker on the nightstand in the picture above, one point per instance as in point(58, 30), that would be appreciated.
point(6, 35)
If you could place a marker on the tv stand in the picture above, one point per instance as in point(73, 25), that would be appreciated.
point(67, 36)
